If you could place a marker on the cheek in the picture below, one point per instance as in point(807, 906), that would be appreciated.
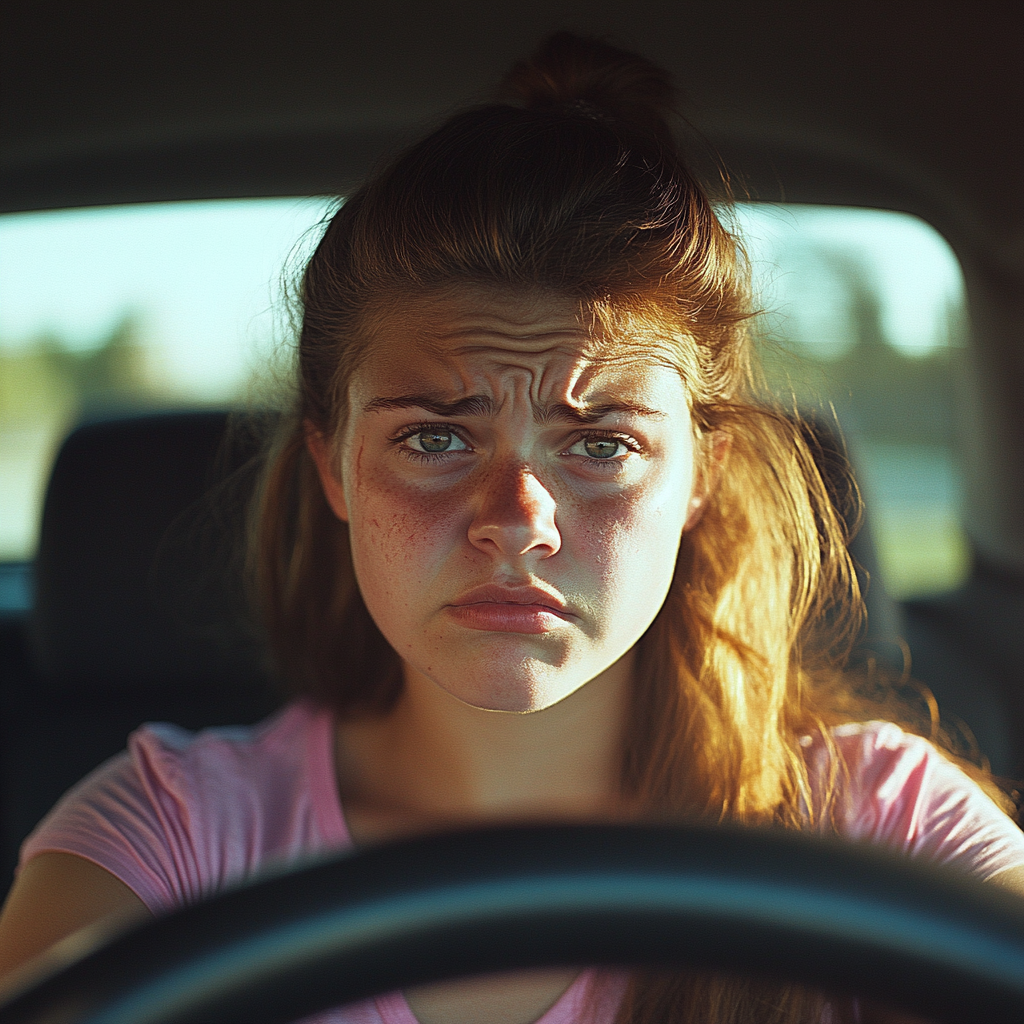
point(630, 540)
point(399, 535)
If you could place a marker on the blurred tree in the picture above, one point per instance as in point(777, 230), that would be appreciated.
point(49, 377)
point(880, 391)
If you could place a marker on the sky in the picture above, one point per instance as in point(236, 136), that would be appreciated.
point(916, 277)
point(205, 278)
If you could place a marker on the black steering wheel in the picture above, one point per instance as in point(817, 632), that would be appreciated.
point(816, 911)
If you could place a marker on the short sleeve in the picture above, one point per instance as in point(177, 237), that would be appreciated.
point(118, 819)
point(900, 791)
point(181, 815)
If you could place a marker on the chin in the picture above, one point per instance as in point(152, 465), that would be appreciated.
point(520, 696)
point(509, 705)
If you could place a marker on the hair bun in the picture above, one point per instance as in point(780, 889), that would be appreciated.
point(586, 76)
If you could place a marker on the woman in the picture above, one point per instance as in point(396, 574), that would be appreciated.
point(532, 548)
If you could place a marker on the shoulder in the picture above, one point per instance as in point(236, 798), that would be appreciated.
point(181, 814)
point(210, 766)
point(881, 759)
point(899, 790)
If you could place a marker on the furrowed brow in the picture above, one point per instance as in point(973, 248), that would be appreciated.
point(435, 404)
point(483, 405)
point(593, 413)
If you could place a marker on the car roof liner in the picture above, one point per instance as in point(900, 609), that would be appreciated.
point(95, 83)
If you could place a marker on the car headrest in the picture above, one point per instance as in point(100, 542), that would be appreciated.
point(885, 624)
point(138, 579)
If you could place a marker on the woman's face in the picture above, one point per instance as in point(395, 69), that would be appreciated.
point(515, 506)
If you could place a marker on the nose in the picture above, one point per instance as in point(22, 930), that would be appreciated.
point(515, 515)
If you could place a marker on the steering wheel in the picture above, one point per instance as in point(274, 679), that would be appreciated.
point(813, 910)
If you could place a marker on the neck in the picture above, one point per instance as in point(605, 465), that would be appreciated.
point(435, 761)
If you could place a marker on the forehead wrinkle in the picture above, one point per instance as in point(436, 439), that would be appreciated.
point(481, 331)
point(500, 346)
point(508, 329)
point(501, 311)
point(580, 395)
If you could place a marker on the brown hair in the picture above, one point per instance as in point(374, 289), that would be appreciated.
point(576, 185)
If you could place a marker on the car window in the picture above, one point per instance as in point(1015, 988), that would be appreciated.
point(865, 321)
point(147, 307)
point(173, 305)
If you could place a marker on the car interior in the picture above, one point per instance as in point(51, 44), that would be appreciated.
point(131, 606)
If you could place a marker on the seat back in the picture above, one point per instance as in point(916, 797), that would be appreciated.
point(138, 574)
point(139, 610)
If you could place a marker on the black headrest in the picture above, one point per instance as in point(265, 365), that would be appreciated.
point(885, 621)
point(138, 580)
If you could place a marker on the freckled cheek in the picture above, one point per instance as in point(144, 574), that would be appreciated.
point(399, 527)
point(625, 535)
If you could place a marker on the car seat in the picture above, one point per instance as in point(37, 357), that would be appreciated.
point(139, 610)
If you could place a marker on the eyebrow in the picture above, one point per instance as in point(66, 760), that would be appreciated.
point(483, 405)
point(473, 405)
point(592, 413)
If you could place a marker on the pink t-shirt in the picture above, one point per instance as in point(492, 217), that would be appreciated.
point(180, 815)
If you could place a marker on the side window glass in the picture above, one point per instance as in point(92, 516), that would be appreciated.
point(135, 308)
point(865, 315)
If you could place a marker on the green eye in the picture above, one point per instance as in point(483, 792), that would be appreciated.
point(601, 447)
point(434, 440)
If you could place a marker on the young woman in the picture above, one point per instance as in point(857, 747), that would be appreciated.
point(532, 547)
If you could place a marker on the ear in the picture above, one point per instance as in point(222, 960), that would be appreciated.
point(713, 456)
point(321, 450)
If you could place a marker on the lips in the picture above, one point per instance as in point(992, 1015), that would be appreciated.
point(494, 608)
